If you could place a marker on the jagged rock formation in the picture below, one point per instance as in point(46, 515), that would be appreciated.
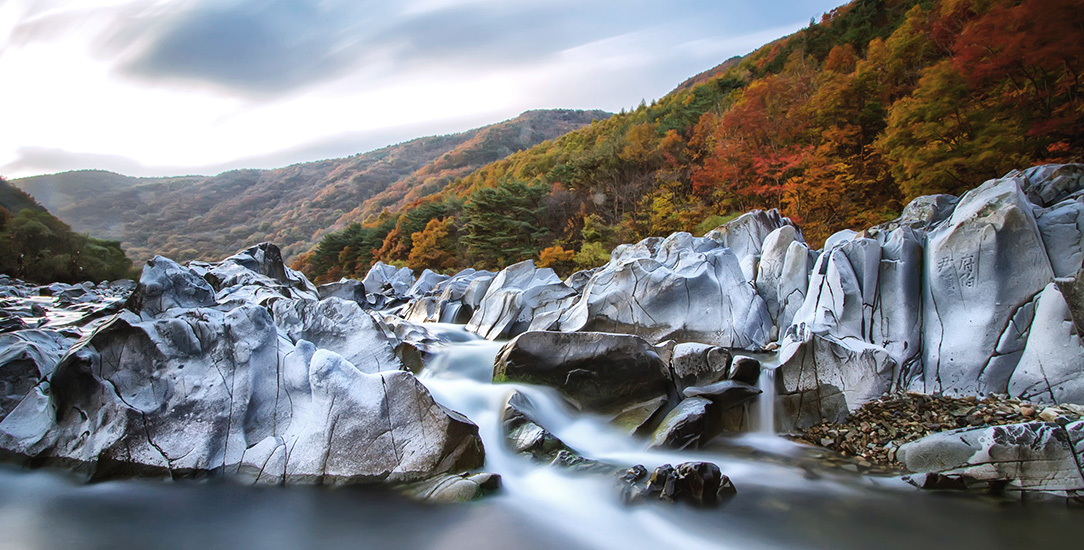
point(236, 368)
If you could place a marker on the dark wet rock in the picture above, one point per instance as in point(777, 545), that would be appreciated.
point(524, 434)
point(339, 326)
point(452, 488)
point(11, 323)
point(609, 374)
point(695, 483)
point(687, 426)
point(937, 482)
point(698, 364)
point(680, 288)
point(745, 369)
point(520, 298)
point(725, 394)
point(1035, 456)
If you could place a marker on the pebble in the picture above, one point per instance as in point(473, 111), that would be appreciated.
point(872, 433)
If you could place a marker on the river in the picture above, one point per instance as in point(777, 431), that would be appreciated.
point(786, 498)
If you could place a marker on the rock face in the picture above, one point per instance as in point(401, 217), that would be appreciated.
point(682, 288)
point(1036, 456)
point(192, 380)
point(611, 374)
point(520, 298)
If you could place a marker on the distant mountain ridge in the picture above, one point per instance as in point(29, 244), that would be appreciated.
point(206, 217)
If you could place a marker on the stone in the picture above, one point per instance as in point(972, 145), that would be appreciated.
point(339, 326)
point(165, 285)
point(524, 434)
point(346, 289)
point(1050, 368)
point(1050, 183)
point(825, 378)
point(696, 364)
point(981, 265)
point(696, 483)
point(745, 235)
point(1062, 229)
point(27, 357)
point(386, 285)
point(608, 374)
point(425, 283)
point(687, 426)
point(1034, 456)
point(745, 369)
point(259, 266)
point(725, 394)
point(453, 488)
point(923, 213)
point(679, 288)
point(521, 297)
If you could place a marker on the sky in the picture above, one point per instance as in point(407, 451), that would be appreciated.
point(173, 87)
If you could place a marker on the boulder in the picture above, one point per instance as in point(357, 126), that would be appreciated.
point(783, 274)
point(27, 357)
point(696, 483)
point(425, 283)
point(922, 213)
point(339, 326)
point(1051, 366)
point(745, 236)
point(346, 289)
point(980, 267)
point(259, 266)
point(452, 488)
point(610, 374)
point(1035, 456)
point(386, 285)
point(1062, 229)
point(687, 426)
point(205, 391)
point(825, 378)
point(521, 297)
point(1051, 183)
point(525, 435)
point(696, 364)
point(166, 285)
point(680, 288)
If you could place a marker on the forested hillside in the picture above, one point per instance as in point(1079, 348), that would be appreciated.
point(837, 125)
point(35, 246)
point(198, 217)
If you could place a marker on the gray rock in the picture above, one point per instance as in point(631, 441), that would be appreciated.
point(1051, 365)
point(259, 266)
point(425, 283)
point(165, 285)
point(609, 374)
point(386, 285)
point(1036, 456)
point(824, 378)
point(345, 289)
point(1062, 230)
point(339, 326)
point(679, 288)
point(524, 434)
point(199, 391)
point(745, 235)
point(725, 394)
point(1050, 183)
point(696, 364)
point(744, 369)
point(27, 358)
point(981, 265)
point(783, 273)
point(452, 488)
point(521, 297)
point(923, 213)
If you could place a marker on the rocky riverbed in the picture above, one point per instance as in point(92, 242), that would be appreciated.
point(244, 369)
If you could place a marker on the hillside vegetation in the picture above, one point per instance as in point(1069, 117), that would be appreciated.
point(198, 217)
point(37, 247)
point(837, 125)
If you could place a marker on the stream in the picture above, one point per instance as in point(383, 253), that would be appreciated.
point(787, 497)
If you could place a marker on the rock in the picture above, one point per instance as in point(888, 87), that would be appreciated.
point(259, 266)
point(339, 326)
point(165, 285)
point(745, 235)
point(609, 374)
point(923, 213)
point(981, 265)
point(679, 288)
point(783, 274)
point(1051, 183)
point(524, 434)
point(386, 285)
point(425, 283)
point(351, 290)
point(521, 297)
point(725, 394)
point(1051, 366)
point(698, 364)
point(1034, 456)
point(823, 378)
point(687, 426)
point(935, 481)
point(745, 369)
point(1062, 230)
point(27, 357)
point(696, 483)
point(452, 488)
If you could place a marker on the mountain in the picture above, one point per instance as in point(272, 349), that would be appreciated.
point(199, 217)
point(38, 247)
point(837, 126)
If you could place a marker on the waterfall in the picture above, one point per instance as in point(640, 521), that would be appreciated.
point(766, 401)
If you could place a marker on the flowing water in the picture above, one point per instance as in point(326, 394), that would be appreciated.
point(787, 498)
